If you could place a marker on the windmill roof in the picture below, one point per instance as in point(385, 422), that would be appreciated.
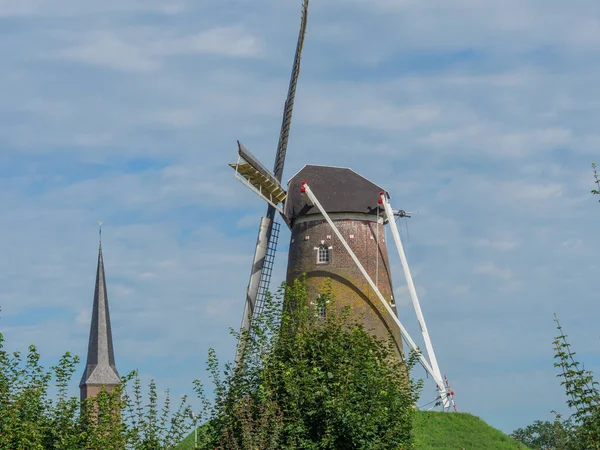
point(338, 189)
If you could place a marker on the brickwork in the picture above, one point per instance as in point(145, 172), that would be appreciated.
point(367, 240)
point(92, 390)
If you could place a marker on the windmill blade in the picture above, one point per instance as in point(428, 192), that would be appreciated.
point(289, 103)
point(258, 178)
point(245, 154)
point(264, 255)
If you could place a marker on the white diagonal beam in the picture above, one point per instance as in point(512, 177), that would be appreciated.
point(260, 251)
point(311, 196)
point(437, 375)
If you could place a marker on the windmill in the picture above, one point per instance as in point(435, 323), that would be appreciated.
point(336, 218)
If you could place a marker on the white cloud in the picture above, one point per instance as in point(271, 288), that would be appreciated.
point(371, 115)
point(12, 8)
point(250, 221)
point(104, 49)
point(502, 245)
point(539, 192)
point(143, 49)
point(491, 269)
point(75, 8)
point(501, 144)
point(476, 116)
point(228, 41)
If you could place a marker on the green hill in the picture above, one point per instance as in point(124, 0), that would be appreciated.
point(437, 430)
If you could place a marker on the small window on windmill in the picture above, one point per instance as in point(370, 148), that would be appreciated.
point(323, 254)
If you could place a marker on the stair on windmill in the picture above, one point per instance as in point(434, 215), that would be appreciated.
point(267, 270)
point(259, 179)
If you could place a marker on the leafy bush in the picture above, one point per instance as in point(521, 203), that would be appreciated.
point(581, 430)
point(305, 382)
point(308, 382)
point(30, 419)
point(543, 435)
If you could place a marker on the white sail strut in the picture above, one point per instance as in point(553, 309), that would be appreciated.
point(267, 186)
point(389, 214)
point(305, 189)
point(260, 251)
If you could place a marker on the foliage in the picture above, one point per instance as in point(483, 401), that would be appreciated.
point(543, 435)
point(305, 382)
point(31, 419)
point(100, 422)
point(150, 428)
point(308, 382)
point(436, 430)
point(118, 420)
point(581, 430)
point(582, 396)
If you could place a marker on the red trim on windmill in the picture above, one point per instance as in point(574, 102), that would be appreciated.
point(302, 187)
point(450, 392)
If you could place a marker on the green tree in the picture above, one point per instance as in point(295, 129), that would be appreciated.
point(306, 382)
point(581, 430)
point(582, 392)
point(30, 419)
point(119, 420)
point(311, 382)
point(543, 435)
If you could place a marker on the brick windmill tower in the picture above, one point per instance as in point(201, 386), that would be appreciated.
point(351, 202)
point(100, 369)
point(336, 218)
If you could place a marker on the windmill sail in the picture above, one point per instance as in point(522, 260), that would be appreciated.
point(258, 178)
point(289, 103)
point(266, 245)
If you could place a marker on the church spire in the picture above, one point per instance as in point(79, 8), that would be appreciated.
point(100, 369)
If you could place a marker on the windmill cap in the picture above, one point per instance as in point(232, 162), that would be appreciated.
point(338, 189)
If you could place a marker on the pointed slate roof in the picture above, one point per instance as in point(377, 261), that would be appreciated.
point(100, 366)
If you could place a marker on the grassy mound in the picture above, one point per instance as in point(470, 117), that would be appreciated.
point(437, 430)
point(187, 443)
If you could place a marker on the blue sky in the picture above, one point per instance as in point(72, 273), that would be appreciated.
point(480, 117)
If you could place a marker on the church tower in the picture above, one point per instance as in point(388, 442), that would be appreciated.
point(100, 369)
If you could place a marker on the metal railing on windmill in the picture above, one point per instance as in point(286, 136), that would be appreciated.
point(354, 194)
